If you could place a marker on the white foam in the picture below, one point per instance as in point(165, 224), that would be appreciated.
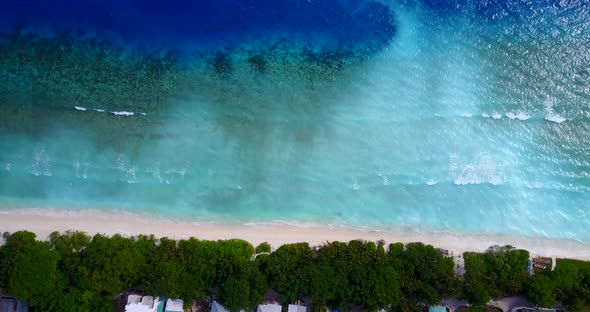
point(482, 169)
point(355, 184)
point(41, 164)
point(520, 115)
point(468, 115)
point(81, 169)
point(431, 182)
point(496, 116)
point(484, 115)
point(550, 114)
point(555, 118)
point(99, 110)
point(123, 113)
point(128, 171)
point(80, 108)
point(131, 175)
point(143, 114)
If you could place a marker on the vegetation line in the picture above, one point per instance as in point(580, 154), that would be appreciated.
point(74, 272)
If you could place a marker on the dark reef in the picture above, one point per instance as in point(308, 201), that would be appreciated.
point(65, 70)
point(137, 55)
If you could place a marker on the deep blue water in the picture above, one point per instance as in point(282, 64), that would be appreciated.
point(182, 26)
point(462, 116)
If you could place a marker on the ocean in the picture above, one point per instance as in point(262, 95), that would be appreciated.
point(470, 117)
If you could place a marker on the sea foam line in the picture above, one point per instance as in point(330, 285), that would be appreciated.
point(518, 115)
point(116, 113)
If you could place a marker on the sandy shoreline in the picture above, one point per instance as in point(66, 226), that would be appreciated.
point(275, 234)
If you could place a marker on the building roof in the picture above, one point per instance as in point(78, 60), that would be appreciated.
point(22, 306)
point(133, 299)
point(7, 305)
point(269, 307)
point(296, 308)
point(437, 309)
point(161, 304)
point(216, 307)
point(138, 303)
point(174, 305)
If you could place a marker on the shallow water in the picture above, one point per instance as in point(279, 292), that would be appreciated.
point(464, 118)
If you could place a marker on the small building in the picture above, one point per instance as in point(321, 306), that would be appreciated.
point(174, 305)
point(217, 307)
point(438, 309)
point(13, 305)
point(269, 307)
point(7, 305)
point(22, 306)
point(296, 308)
point(141, 303)
point(542, 263)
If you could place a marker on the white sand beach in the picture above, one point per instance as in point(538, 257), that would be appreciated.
point(276, 234)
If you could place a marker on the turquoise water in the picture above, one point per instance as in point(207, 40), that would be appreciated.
point(461, 118)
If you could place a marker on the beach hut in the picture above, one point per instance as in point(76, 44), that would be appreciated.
point(22, 306)
point(296, 308)
point(217, 307)
point(13, 305)
point(140, 303)
point(173, 305)
point(7, 305)
point(438, 309)
point(269, 307)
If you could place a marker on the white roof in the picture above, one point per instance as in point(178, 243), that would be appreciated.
point(216, 307)
point(133, 299)
point(269, 308)
point(296, 308)
point(148, 301)
point(137, 303)
point(174, 305)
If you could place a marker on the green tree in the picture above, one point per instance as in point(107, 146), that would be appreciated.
point(163, 273)
point(110, 265)
point(69, 246)
point(208, 264)
point(320, 279)
point(34, 273)
point(263, 247)
point(198, 276)
point(258, 281)
point(476, 284)
point(16, 244)
point(354, 273)
point(572, 283)
point(232, 257)
point(539, 290)
point(430, 275)
point(234, 293)
point(506, 270)
point(286, 270)
point(68, 242)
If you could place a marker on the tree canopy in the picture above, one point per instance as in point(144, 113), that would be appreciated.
point(33, 273)
point(540, 289)
point(75, 272)
point(476, 288)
